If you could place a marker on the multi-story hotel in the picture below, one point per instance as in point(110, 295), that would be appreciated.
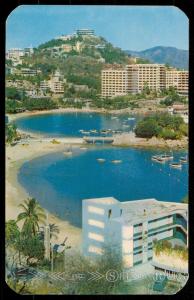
point(114, 82)
point(130, 228)
point(133, 78)
point(178, 79)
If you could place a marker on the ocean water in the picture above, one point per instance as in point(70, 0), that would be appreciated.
point(69, 124)
point(60, 183)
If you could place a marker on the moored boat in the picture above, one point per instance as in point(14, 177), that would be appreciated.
point(116, 161)
point(176, 165)
point(183, 160)
point(100, 159)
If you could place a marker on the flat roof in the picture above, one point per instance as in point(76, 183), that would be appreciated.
point(149, 209)
point(105, 200)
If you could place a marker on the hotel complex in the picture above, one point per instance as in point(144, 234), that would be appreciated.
point(132, 78)
point(130, 228)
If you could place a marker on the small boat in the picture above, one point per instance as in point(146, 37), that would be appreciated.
point(86, 132)
point(116, 161)
point(183, 160)
point(93, 131)
point(176, 165)
point(81, 130)
point(158, 158)
point(83, 148)
point(131, 119)
point(101, 160)
point(68, 152)
point(113, 118)
point(166, 156)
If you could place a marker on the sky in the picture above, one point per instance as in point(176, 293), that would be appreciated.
point(128, 27)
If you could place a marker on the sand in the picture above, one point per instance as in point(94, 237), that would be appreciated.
point(15, 193)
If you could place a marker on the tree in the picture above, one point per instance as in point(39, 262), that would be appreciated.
point(11, 133)
point(32, 247)
point(54, 230)
point(12, 232)
point(32, 215)
point(147, 128)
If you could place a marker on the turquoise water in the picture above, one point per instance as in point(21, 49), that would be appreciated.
point(69, 124)
point(60, 183)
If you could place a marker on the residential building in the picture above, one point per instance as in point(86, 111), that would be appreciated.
point(55, 84)
point(85, 32)
point(132, 78)
point(67, 48)
point(64, 37)
point(130, 228)
point(114, 82)
point(178, 79)
point(15, 53)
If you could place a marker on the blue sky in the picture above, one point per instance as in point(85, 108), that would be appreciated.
point(127, 27)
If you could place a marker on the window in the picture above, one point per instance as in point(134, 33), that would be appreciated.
point(109, 213)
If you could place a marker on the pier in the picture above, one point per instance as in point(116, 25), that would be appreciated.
point(98, 139)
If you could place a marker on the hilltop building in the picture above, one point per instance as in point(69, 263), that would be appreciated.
point(130, 228)
point(132, 78)
point(85, 32)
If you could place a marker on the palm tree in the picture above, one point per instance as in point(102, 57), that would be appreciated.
point(32, 215)
point(54, 230)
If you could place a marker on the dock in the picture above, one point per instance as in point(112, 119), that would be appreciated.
point(98, 139)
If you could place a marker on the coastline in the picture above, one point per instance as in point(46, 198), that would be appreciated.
point(15, 193)
point(138, 111)
point(38, 145)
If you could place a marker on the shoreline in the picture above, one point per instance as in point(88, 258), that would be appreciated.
point(122, 140)
point(136, 111)
point(15, 193)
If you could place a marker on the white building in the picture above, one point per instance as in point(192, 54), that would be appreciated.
point(15, 53)
point(129, 228)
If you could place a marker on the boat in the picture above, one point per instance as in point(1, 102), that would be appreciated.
point(131, 119)
point(114, 118)
point(166, 156)
point(158, 158)
point(86, 132)
point(68, 152)
point(162, 158)
point(93, 131)
point(116, 161)
point(176, 165)
point(81, 130)
point(101, 159)
point(183, 160)
point(83, 148)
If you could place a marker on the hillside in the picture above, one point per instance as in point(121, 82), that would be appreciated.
point(166, 55)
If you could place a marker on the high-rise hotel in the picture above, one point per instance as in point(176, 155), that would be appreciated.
point(118, 80)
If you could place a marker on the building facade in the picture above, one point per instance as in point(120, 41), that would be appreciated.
point(130, 228)
point(85, 32)
point(133, 78)
point(178, 79)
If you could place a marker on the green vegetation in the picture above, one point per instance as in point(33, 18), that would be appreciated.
point(13, 106)
point(161, 125)
point(11, 133)
point(113, 55)
point(32, 214)
point(172, 97)
point(165, 246)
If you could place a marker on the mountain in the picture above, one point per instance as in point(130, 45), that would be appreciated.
point(166, 55)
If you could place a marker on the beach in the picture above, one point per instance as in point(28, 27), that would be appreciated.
point(16, 194)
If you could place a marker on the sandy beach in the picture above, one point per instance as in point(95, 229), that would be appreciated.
point(15, 193)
